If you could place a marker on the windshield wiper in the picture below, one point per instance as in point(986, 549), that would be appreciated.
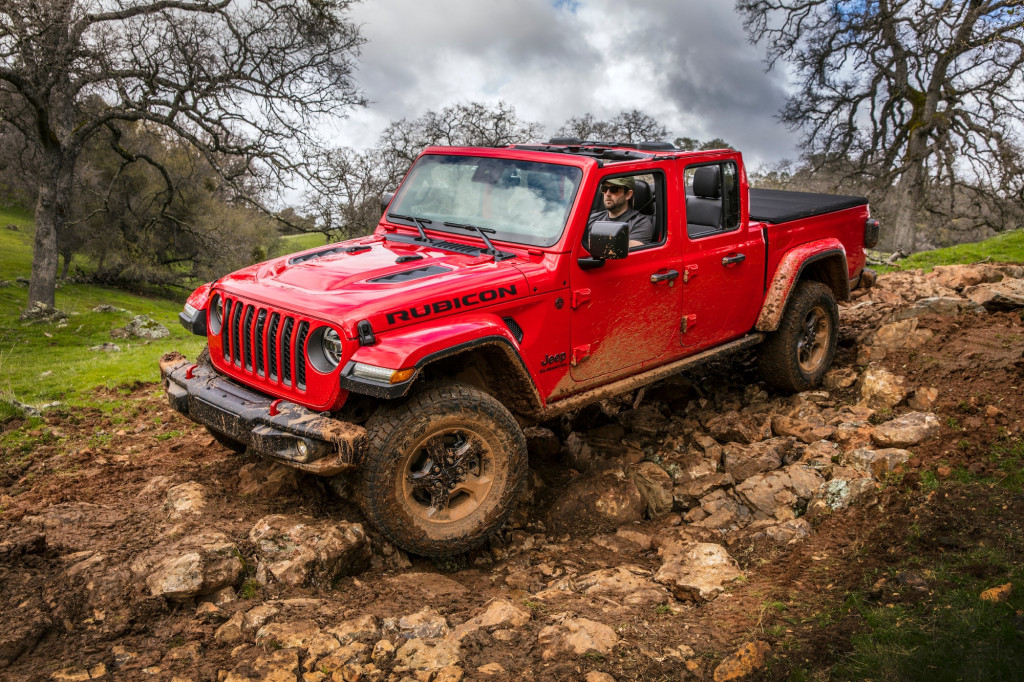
point(418, 222)
point(491, 251)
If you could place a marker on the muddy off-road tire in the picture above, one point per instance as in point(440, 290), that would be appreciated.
point(227, 441)
point(796, 356)
point(442, 471)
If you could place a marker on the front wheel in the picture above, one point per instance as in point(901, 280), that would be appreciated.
point(796, 356)
point(442, 470)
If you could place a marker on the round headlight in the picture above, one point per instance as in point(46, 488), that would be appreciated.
point(216, 313)
point(331, 344)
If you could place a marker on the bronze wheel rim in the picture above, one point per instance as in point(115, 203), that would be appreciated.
point(448, 475)
point(812, 346)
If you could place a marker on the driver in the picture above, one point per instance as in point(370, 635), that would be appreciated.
point(617, 194)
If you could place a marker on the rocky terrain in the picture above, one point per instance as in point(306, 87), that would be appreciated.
point(655, 531)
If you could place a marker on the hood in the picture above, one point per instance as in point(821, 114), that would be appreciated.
point(391, 284)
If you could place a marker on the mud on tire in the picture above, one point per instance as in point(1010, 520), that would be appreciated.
point(796, 356)
point(442, 471)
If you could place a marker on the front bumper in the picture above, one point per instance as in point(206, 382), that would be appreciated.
point(292, 435)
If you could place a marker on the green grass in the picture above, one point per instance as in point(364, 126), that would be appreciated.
point(1007, 247)
point(43, 363)
point(950, 634)
point(297, 242)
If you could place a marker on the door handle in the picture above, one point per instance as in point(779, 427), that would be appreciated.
point(732, 260)
point(664, 276)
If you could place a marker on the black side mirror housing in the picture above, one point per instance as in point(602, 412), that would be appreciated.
point(609, 240)
point(385, 200)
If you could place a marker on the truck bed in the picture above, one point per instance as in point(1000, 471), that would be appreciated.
point(781, 206)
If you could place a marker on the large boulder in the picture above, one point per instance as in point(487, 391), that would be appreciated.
point(606, 499)
point(780, 494)
point(697, 571)
point(907, 430)
point(961, 276)
point(743, 461)
point(1000, 296)
point(655, 486)
point(192, 566)
point(298, 550)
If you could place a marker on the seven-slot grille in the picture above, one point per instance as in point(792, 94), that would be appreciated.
point(264, 342)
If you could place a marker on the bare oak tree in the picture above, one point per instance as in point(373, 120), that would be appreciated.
point(239, 80)
point(630, 127)
point(920, 95)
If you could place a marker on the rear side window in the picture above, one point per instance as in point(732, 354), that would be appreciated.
point(712, 198)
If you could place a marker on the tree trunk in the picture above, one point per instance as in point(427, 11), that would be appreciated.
point(911, 193)
point(52, 209)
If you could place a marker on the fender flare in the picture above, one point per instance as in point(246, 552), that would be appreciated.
point(789, 271)
point(416, 347)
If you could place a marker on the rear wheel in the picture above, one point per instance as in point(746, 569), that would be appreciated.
point(796, 356)
point(442, 470)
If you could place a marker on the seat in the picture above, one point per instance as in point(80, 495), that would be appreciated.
point(704, 207)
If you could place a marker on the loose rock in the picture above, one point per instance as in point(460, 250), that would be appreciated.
point(745, 661)
point(576, 636)
point(697, 572)
point(298, 550)
point(909, 429)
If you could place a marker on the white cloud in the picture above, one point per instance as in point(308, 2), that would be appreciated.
point(686, 63)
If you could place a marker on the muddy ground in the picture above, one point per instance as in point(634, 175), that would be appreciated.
point(67, 602)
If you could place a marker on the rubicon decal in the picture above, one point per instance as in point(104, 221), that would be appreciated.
point(458, 303)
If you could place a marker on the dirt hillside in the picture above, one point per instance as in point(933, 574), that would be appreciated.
point(656, 538)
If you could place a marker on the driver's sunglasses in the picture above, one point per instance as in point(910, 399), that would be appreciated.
point(614, 189)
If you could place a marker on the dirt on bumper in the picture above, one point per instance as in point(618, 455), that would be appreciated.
point(291, 434)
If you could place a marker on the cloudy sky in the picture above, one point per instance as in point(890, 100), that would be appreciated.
point(686, 63)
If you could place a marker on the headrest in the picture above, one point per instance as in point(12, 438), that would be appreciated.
point(642, 199)
point(706, 184)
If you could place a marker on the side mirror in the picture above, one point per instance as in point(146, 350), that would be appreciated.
point(609, 240)
point(385, 200)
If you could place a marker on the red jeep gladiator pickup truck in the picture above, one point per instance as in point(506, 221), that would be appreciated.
point(494, 293)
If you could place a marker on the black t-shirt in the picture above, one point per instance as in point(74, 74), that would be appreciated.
point(641, 227)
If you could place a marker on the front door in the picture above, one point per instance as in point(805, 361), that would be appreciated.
point(626, 312)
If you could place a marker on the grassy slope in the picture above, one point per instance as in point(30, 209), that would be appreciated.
point(297, 242)
point(42, 363)
point(1007, 247)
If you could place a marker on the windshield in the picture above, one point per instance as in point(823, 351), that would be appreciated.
point(521, 201)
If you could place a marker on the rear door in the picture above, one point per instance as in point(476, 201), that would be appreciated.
point(723, 263)
point(626, 312)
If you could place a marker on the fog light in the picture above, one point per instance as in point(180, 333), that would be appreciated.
point(302, 448)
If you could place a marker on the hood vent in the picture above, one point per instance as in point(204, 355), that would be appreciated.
point(327, 252)
point(409, 275)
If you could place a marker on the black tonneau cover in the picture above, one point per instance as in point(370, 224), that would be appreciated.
point(780, 206)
